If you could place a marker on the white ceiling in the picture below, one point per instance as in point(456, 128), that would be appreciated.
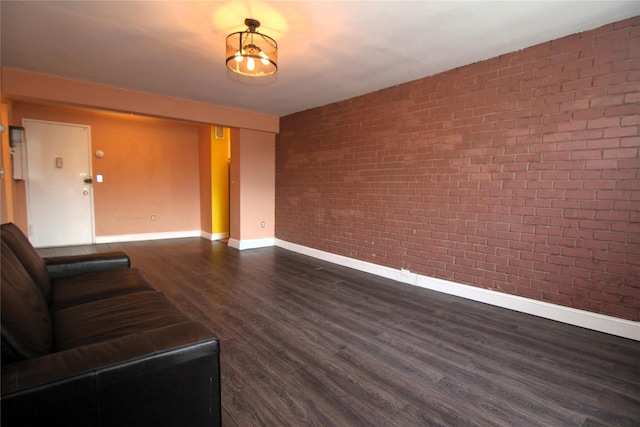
point(328, 50)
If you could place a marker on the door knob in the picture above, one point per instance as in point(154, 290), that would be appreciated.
point(88, 180)
point(85, 192)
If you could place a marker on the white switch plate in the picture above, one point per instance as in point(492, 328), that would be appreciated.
point(99, 178)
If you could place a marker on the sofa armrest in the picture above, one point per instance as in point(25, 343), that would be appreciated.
point(64, 266)
point(167, 376)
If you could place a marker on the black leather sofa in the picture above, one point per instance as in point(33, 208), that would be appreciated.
point(87, 341)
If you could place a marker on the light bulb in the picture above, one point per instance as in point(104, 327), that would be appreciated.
point(239, 57)
point(265, 58)
point(251, 64)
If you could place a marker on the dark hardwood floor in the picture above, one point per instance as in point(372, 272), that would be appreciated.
point(305, 342)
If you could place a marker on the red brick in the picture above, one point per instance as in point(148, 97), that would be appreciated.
point(616, 132)
point(609, 237)
point(601, 164)
point(609, 122)
point(618, 310)
point(562, 241)
point(607, 101)
point(584, 304)
point(557, 298)
point(591, 93)
point(612, 216)
point(604, 297)
point(573, 165)
point(609, 60)
point(567, 205)
point(563, 222)
point(616, 83)
point(581, 104)
point(566, 125)
point(612, 195)
point(625, 227)
point(586, 154)
point(579, 213)
point(600, 70)
point(620, 153)
point(549, 231)
point(623, 110)
point(580, 194)
point(510, 183)
point(573, 273)
point(587, 134)
point(604, 143)
point(590, 114)
point(594, 205)
point(630, 142)
point(625, 291)
point(621, 87)
point(550, 194)
point(619, 174)
point(601, 185)
point(562, 175)
point(629, 164)
point(631, 98)
point(594, 225)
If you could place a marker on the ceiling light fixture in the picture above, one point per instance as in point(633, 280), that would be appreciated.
point(250, 53)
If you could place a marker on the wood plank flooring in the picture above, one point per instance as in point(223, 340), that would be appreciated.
point(308, 343)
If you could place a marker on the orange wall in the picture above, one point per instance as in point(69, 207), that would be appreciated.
point(150, 167)
point(252, 184)
point(18, 84)
point(204, 149)
point(6, 189)
point(234, 185)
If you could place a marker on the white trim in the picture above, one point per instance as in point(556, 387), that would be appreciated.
point(147, 236)
point(251, 244)
point(214, 237)
point(585, 319)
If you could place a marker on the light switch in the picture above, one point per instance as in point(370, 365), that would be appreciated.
point(99, 178)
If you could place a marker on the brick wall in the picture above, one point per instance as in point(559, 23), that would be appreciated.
point(518, 174)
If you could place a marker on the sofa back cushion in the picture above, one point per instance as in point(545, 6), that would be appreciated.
point(28, 256)
point(25, 319)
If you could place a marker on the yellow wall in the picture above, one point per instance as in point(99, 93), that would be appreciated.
point(220, 183)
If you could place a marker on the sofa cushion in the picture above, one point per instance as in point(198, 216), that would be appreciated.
point(71, 265)
point(88, 287)
point(28, 256)
point(113, 318)
point(25, 319)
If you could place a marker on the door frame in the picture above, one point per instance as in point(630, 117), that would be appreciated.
point(89, 154)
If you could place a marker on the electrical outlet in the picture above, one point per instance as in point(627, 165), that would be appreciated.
point(263, 224)
point(153, 217)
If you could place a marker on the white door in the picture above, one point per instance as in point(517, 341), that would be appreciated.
point(59, 193)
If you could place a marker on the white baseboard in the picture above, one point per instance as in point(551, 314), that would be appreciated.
point(214, 237)
point(585, 319)
point(147, 236)
point(251, 243)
